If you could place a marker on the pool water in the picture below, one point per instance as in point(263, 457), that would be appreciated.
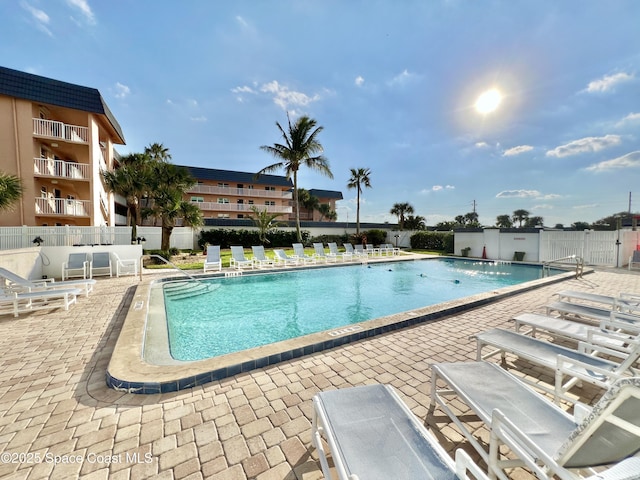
point(248, 311)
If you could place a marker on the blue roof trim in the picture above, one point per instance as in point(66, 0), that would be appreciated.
point(326, 193)
point(35, 88)
point(240, 177)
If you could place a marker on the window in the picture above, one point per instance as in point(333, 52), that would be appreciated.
point(250, 202)
point(271, 189)
point(197, 199)
point(240, 200)
point(240, 215)
point(223, 215)
point(43, 192)
point(270, 203)
point(223, 200)
point(249, 187)
point(223, 185)
point(240, 185)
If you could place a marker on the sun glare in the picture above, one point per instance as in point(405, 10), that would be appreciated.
point(488, 101)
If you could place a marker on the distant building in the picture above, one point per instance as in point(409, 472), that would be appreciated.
point(326, 197)
point(227, 194)
point(57, 137)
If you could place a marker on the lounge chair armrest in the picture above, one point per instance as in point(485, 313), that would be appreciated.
point(567, 365)
point(597, 343)
point(465, 464)
point(505, 431)
point(580, 412)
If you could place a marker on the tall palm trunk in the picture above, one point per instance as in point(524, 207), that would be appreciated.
point(297, 205)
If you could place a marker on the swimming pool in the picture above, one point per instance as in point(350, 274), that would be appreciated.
point(248, 311)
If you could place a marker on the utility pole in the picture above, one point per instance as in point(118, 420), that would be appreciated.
point(474, 205)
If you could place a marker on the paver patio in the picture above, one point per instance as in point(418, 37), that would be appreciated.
point(55, 407)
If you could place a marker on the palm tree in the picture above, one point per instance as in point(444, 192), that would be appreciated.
point(326, 212)
point(168, 186)
point(131, 180)
point(359, 178)
point(300, 148)
point(264, 222)
point(416, 222)
point(504, 221)
point(10, 190)
point(401, 209)
point(520, 216)
point(158, 152)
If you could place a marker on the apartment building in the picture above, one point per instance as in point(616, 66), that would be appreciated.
point(227, 194)
point(57, 137)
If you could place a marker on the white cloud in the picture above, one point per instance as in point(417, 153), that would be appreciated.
point(584, 145)
point(402, 78)
point(84, 8)
point(243, 89)
point(201, 118)
point(482, 145)
point(41, 18)
point(519, 194)
point(358, 81)
point(285, 98)
point(631, 118)
point(517, 150)
point(630, 160)
point(242, 21)
point(608, 82)
point(123, 91)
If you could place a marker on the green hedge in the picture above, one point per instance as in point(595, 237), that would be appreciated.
point(249, 238)
point(442, 241)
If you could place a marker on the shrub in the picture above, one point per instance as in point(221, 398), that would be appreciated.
point(442, 241)
point(247, 238)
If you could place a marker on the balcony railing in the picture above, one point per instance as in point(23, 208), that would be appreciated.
point(48, 167)
point(61, 131)
point(241, 207)
point(240, 192)
point(62, 207)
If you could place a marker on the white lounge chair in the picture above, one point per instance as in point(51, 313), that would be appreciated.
point(371, 251)
point(15, 282)
point(298, 252)
point(25, 302)
point(333, 251)
point(358, 251)
point(624, 300)
point(125, 266)
point(634, 259)
point(283, 258)
point(100, 264)
point(320, 254)
point(213, 261)
point(616, 330)
point(76, 265)
point(580, 364)
point(372, 435)
point(260, 258)
point(542, 436)
point(238, 259)
point(589, 312)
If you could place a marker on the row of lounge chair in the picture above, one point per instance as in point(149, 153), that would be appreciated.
point(259, 259)
point(20, 295)
point(370, 432)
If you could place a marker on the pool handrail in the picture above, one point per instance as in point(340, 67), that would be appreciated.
point(168, 263)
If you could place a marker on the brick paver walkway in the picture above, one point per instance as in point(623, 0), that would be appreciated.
point(58, 419)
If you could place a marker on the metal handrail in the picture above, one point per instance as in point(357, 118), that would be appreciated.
point(579, 264)
point(168, 263)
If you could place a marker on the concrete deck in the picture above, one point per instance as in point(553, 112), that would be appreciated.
point(59, 420)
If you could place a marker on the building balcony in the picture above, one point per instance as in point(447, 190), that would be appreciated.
point(240, 192)
point(62, 207)
point(60, 131)
point(47, 167)
point(241, 207)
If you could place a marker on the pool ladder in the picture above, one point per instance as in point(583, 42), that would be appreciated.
point(183, 289)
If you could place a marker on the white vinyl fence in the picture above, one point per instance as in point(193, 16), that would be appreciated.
point(23, 237)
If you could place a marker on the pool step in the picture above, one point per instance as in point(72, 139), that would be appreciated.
point(179, 290)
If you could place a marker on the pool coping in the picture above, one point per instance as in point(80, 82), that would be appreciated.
point(129, 371)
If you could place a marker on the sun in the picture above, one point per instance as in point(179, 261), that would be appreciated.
point(488, 101)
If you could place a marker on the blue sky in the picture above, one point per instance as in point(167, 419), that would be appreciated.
point(393, 83)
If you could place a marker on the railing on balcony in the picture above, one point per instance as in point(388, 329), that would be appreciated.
point(62, 207)
point(241, 207)
point(61, 131)
point(61, 169)
point(240, 192)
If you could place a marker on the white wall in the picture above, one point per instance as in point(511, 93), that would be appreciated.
point(499, 246)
